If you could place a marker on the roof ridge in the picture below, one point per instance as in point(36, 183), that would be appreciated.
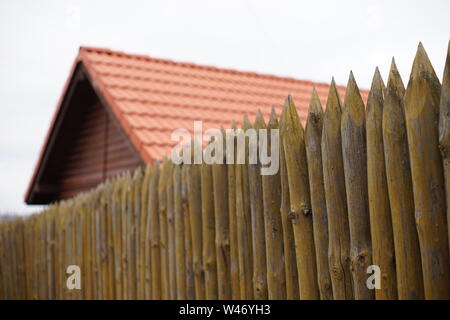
point(204, 67)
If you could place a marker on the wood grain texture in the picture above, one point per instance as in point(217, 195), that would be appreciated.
point(422, 114)
point(271, 185)
point(444, 130)
point(313, 135)
point(399, 183)
point(336, 199)
point(301, 217)
point(258, 233)
point(379, 207)
point(292, 289)
point(243, 220)
point(209, 233)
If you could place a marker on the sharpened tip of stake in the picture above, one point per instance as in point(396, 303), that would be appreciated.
point(259, 120)
point(422, 63)
point(393, 67)
point(292, 118)
point(351, 76)
point(353, 103)
point(282, 118)
point(393, 62)
point(333, 100)
point(375, 99)
point(377, 74)
point(273, 113)
point(315, 106)
point(377, 81)
point(246, 123)
point(292, 109)
point(395, 86)
point(273, 121)
point(289, 98)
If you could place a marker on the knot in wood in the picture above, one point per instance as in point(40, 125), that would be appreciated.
point(293, 216)
point(306, 210)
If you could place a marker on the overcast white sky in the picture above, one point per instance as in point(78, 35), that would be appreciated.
point(304, 39)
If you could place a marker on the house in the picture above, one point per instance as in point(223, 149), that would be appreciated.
point(117, 112)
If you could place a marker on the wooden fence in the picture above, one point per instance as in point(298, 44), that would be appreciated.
point(359, 186)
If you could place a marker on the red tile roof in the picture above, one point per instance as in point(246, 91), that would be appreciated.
point(152, 97)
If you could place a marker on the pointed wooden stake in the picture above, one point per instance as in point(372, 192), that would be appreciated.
point(271, 185)
point(208, 233)
point(301, 215)
point(234, 260)
point(257, 212)
point(292, 289)
point(171, 232)
point(355, 169)
point(444, 130)
point(145, 249)
point(153, 235)
point(164, 237)
point(179, 230)
point(220, 187)
point(335, 194)
point(195, 213)
point(243, 218)
point(313, 133)
point(422, 112)
point(188, 241)
point(407, 250)
point(379, 207)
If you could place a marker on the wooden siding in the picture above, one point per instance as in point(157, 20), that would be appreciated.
point(98, 151)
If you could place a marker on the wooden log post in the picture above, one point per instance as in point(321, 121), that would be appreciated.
point(153, 236)
point(379, 208)
point(133, 233)
point(104, 234)
point(144, 243)
point(422, 114)
point(444, 130)
point(257, 216)
point(335, 195)
point(189, 255)
point(208, 233)
point(193, 176)
point(398, 173)
point(353, 132)
point(49, 216)
point(163, 242)
point(234, 261)
point(301, 217)
point(171, 232)
point(110, 238)
point(97, 244)
point(180, 250)
point(271, 185)
point(220, 187)
point(117, 236)
point(292, 289)
point(313, 135)
point(243, 219)
point(124, 211)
